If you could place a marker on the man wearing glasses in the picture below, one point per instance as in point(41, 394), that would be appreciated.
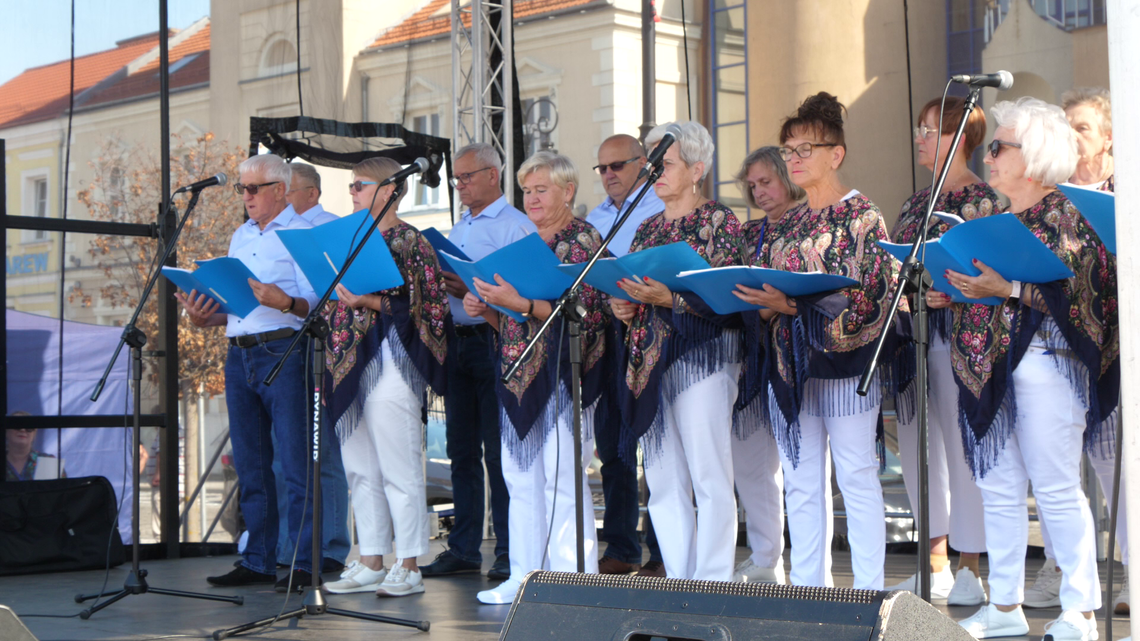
point(620, 158)
point(256, 410)
point(472, 409)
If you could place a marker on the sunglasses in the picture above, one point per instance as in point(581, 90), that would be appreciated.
point(252, 189)
point(614, 166)
point(358, 186)
point(996, 145)
point(23, 429)
point(803, 150)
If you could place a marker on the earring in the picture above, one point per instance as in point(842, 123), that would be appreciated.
point(694, 189)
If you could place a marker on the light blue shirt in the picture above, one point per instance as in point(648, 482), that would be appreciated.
point(316, 215)
point(498, 225)
point(606, 215)
point(265, 255)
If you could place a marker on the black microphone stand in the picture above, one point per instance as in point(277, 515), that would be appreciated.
point(317, 328)
point(135, 338)
point(915, 279)
point(570, 309)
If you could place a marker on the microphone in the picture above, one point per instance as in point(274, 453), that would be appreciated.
point(670, 137)
point(217, 179)
point(418, 167)
point(1001, 80)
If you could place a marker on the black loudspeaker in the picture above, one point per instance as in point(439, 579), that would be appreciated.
point(11, 628)
point(557, 605)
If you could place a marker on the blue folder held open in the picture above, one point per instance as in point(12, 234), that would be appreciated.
point(1000, 241)
point(322, 251)
point(225, 280)
point(662, 264)
point(716, 285)
point(442, 245)
point(527, 264)
point(1098, 207)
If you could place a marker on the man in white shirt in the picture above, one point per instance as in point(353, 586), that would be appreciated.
point(620, 158)
point(304, 195)
point(256, 343)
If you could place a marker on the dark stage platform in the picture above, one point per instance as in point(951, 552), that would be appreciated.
point(448, 603)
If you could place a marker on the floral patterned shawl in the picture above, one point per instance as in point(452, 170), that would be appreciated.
point(666, 350)
point(538, 392)
point(417, 316)
point(987, 342)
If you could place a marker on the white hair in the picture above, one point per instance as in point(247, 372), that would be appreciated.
point(271, 166)
point(694, 144)
point(485, 153)
point(1048, 143)
point(562, 170)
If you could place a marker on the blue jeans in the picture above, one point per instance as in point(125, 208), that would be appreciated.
point(258, 413)
point(473, 437)
point(619, 486)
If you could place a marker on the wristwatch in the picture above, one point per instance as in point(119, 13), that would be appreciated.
point(292, 304)
point(529, 310)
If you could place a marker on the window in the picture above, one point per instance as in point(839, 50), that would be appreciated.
point(730, 99)
point(280, 56)
point(422, 195)
point(39, 202)
point(541, 119)
point(115, 193)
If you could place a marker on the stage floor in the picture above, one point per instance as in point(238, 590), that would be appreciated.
point(448, 603)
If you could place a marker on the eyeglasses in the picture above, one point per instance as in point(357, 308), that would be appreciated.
point(803, 150)
point(465, 179)
point(358, 186)
point(614, 166)
point(922, 131)
point(23, 429)
point(996, 145)
point(252, 189)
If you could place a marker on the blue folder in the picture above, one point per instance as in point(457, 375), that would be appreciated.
point(528, 264)
point(442, 245)
point(661, 264)
point(321, 253)
point(1098, 207)
point(225, 280)
point(1001, 242)
point(716, 285)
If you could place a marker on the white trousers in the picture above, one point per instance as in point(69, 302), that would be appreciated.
point(1103, 467)
point(695, 461)
point(1045, 448)
point(760, 487)
point(535, 511)
point(955, 500)
point(807, 491)
point(384, 463)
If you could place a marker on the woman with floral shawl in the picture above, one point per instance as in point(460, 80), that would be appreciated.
point(385, 355)
point(681, 363)
point(535, 406)
point(1038, 376)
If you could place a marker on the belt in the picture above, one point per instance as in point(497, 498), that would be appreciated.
point(250, 340)
point(468, 331)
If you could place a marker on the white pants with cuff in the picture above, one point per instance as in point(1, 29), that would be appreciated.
point(760, 487)
point(1103, 467)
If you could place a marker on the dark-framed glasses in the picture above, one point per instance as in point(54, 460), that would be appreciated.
point(803, 150)
point(922, 131)
point(465, 179)
point(614, 166)
point(252, 189)
point(359, 185)
point(996, 145)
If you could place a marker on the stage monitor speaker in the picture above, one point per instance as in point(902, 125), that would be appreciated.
point(557, 605)
point(11, 628)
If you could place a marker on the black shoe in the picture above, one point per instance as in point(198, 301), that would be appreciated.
point(301, 580)
point(241, 576)
point(501, 570)
point(447, 563)
point(331, 565)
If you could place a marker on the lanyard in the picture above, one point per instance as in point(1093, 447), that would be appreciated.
point(760, 243)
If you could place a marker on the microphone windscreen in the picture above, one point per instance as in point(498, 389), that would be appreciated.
point(222, 179)
point(1006, 80)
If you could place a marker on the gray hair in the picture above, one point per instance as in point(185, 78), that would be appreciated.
point(694, 144)
point(771, 157)
point(485, 153)
point(1097, 97)
point(306, 173)
point(1048, 143)
point(271, 166)
point(562, 170)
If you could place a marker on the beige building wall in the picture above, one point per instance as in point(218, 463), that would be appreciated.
point(1039, 55)
point(1090, 57)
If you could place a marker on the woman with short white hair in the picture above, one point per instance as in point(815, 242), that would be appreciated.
point(1089, 112)
point(681, 364)
point(1038, 376)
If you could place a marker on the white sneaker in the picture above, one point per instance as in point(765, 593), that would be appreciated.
point(941, 584)
point(967, 589)
point(1120, 603)
point(991, 622)
point(504, 594)
point(401, 582)
point(1071, 626)
point(748, 572)
point(357, 577)
point(1046, 589)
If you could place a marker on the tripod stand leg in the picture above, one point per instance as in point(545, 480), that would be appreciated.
point(80, 598)
point(121, 594)
point(245, 627)
point(237, 600)
point(420, 625)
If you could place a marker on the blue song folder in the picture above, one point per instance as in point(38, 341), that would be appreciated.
point(1098, 207)
point(442, 245)
point(662, 264)
point(225, 280)
point(527, 264)
point(321, 253)
point(716, 285)
point(1000, 241)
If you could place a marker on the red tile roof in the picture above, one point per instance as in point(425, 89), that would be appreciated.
point(434, 18)
point(145, 81)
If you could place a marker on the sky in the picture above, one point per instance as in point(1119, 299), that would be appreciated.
point(38, 32)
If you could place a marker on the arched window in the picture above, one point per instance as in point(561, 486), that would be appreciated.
point(279, 56)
